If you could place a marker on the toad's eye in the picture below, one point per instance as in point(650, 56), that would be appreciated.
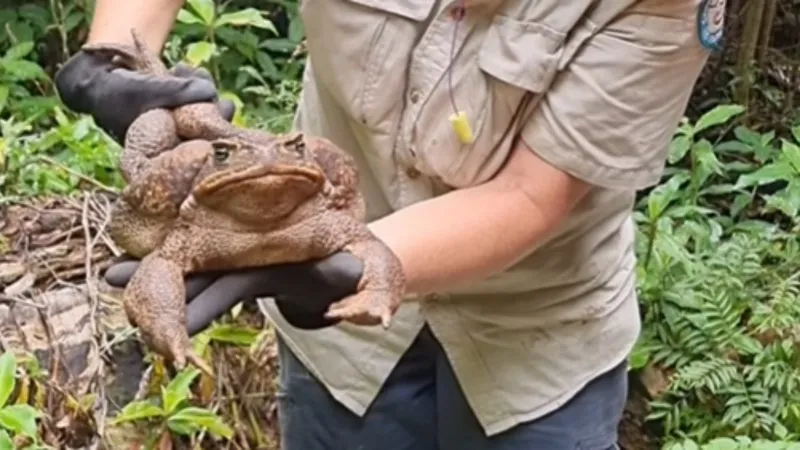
point(223, 148)
point(221, 154)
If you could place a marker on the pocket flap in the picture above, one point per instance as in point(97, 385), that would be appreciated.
point(412, 9)
point(524, 54)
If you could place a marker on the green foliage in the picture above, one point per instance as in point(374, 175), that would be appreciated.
point(719, 283)
point(174, 412)
point(45, 148)
point(737, 443)
point(18, 419)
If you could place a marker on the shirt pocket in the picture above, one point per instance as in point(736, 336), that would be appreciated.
point(511, 57)
point(359, 51)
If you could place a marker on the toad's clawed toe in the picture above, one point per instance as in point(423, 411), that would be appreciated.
point(368, 307)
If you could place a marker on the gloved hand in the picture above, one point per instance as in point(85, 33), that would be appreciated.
point(91, 84)
point(302, 291)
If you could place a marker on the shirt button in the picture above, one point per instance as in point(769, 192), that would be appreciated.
point(457, 12)
point(414, 95)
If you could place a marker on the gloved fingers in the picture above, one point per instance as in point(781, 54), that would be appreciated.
point(67, 80)
point(168, 91)
point(119, 274)
point(227, 108)
point(119, 96)
point(197, 283)
point(337, 276)
point(303, 318)
point(182, 70)
point(218, 298)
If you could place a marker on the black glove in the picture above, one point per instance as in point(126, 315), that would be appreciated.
point(91, 84)
point(302, 291)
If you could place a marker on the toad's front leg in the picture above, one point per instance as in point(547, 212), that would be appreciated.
point(381, 288)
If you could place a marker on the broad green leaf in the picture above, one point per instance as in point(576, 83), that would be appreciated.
point(37, 14)
point(663, 195)
point(20, 30)
point(678, 148)
point(722, 444)
point(188, 17)
point(182, 427)
point(707, 161)
point(268, 67)
point(204, 10)
point(766, 174)
point(244, 17)
point(740, 202)
point(296, 30)
point(138, 410)
point(74, 19)
point(3, 97)
point(201, 341)
point(746, 135)
point(791, 153)
point(689, 445)
point(202, 418)
point(639, 357)
point(199, 52)
point(796, 133)
point(234, 334)
point(22, 70)
point(717, 116)
point(178, 388)
point(244, 41)
point(19, 51)
point(786, 200)
point(19, 419)
point(278, 45)
point(5, 441)
point(8, 368)
point(718, 189)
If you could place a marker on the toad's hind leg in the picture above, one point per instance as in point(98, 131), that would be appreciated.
point(167, 180)
point(381, 288)
point(150, 135)
point(155, 301)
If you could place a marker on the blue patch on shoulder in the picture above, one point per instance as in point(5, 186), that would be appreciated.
point(711, 23)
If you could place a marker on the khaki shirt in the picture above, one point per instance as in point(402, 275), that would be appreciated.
point(609, 81)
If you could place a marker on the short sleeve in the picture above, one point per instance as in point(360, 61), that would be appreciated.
point(610, 114)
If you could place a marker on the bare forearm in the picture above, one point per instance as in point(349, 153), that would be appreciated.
point(462, 236)
point(153, 19)
point(470, 234)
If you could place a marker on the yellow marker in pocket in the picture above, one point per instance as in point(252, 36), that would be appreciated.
point(461, 127)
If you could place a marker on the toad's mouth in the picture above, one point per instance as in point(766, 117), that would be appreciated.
point(226, 179)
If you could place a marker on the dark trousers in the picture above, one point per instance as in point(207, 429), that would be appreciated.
point(421, 407)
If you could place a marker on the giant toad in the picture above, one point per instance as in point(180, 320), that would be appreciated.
point(232, 200)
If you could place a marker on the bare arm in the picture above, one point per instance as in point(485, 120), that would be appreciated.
point(470, 234)
point(113, 20)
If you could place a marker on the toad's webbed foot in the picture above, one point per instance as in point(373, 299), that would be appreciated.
point(136, 57)
point(380, 290)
